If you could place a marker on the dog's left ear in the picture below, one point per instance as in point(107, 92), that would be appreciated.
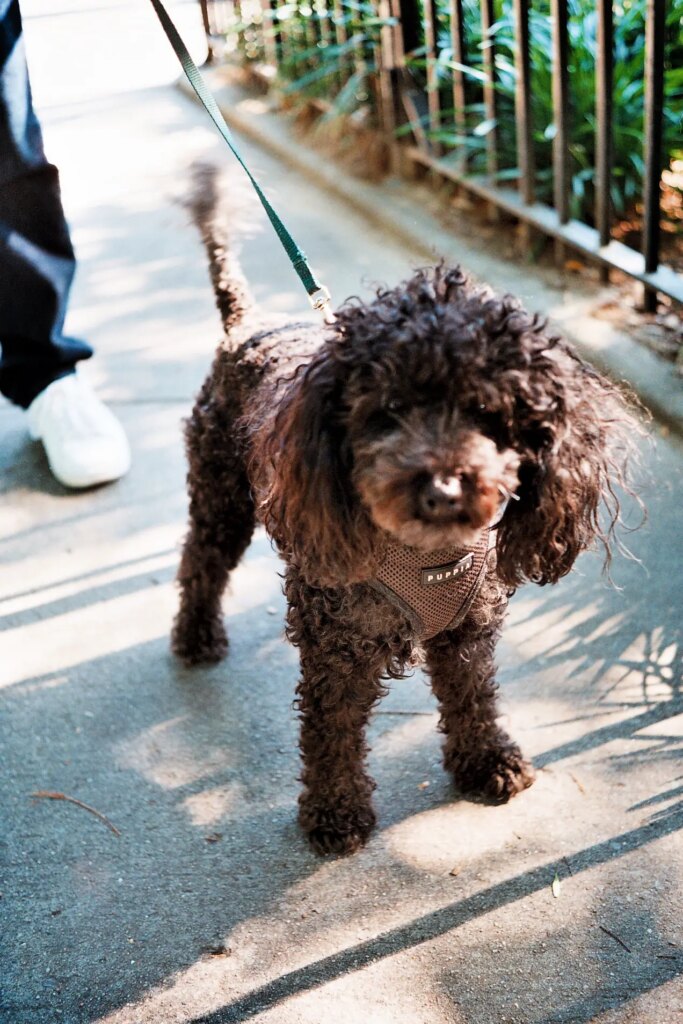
point(575, 437)
point(310, 506)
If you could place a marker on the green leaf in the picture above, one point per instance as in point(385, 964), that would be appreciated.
point(467, 70)
point(484, 127)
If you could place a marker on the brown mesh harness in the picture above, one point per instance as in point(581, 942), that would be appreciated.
point(435, 589)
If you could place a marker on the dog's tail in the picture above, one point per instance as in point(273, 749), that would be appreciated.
point(233, 297)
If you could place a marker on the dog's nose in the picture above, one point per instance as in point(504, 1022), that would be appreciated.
point(440, 499)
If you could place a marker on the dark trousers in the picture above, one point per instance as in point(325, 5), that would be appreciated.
point(36, 257)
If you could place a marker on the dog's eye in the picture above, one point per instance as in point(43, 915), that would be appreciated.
point(385, 418)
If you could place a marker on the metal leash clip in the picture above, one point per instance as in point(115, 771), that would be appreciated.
point(320, 300)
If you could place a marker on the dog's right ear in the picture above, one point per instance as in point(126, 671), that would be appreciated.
point(310, 506)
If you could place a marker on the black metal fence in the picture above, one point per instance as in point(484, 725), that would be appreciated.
point(478, 90)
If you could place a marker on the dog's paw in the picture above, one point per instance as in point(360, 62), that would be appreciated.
point(496, 776)
point(199, 642)
point(330, 830)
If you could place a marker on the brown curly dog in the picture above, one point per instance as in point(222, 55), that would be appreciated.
point(415, 463)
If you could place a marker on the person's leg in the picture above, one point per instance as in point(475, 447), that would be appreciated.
point(36, 257)
point(84, 442)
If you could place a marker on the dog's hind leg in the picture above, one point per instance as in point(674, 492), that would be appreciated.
point(221, 524)
point(483, 759)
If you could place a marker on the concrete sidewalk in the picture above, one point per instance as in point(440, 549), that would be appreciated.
point(209, 907)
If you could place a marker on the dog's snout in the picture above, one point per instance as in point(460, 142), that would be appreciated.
point(440, 499)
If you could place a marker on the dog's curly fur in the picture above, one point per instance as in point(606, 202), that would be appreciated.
point(335, 439)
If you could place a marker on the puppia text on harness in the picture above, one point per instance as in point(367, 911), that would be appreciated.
point(435, 589)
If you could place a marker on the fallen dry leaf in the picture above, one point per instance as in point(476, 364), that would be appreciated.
point(219, 949)
point(579, 784)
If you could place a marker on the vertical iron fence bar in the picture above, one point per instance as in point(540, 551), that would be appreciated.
point(395, 46)
point(341, 35)
point(603, 110)
point(458, 45)
point(561, 183)
point(404, 39)
point(654, 104)
point(561, 178)
point(209, 16)
point(295, 41)
point(488, 57)
point(433, 98)
point(411, 32)
point(385, 64)
point(339, 22)
point(396, 42)
point(525, 144)
point(210, 55)
point(209, 6)
point(410, 25)
point(396, 33)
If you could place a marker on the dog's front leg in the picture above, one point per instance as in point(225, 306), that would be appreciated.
point(340, 683)
point(481, 756)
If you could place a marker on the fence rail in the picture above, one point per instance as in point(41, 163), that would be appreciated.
point(451, 79)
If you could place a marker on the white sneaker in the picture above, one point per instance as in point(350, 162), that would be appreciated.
point(84, 442)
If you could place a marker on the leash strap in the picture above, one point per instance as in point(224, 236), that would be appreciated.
point(317, 293)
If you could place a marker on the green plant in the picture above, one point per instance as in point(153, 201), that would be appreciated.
point(328, 50)
point(628, 93)
point(324, 52)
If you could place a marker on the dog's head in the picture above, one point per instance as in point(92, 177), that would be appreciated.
point(436, 410)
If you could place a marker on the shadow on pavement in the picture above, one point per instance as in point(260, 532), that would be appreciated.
point(430, 926)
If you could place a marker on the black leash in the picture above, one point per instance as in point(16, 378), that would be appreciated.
point(318, 294)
